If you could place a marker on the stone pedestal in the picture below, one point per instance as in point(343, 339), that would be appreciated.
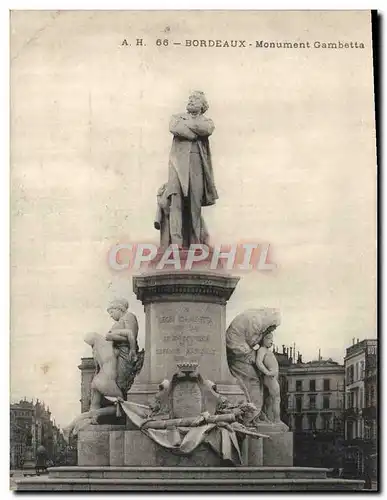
point(252, 450)
point(101, 445)
point(115, 446)
point(185, 313)
point(278, 450)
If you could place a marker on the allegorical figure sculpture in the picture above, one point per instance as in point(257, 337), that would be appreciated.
point(254, 369)
point(123, 335)
point(190, 183)
point(267, 364)
point(117, 362)
point(104, 382)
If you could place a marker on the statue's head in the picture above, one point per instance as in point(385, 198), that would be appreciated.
point(117, 308)
point(262, 322)
point(91, 338)
point(162, 189)
point(197, 103)
point(267, 339)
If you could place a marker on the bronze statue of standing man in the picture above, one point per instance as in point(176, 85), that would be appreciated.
point(191, 183)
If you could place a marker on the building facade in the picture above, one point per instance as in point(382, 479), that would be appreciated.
point(316, 396)
point(315, 408)
point(87, 368)
point(361, 390)
point(361, 406)
point(31, 425)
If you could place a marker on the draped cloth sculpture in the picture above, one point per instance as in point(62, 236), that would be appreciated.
point(219, 424)
point(171, 420)
point(182, 436)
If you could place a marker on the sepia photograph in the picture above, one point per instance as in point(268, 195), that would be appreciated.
point(193, 251)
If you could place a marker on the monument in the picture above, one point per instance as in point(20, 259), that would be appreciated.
point(198, 407)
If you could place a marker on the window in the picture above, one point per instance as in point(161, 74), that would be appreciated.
point(350, 375)
point(357, 371)
point(312, 402)
point(298, 404)
point(350, 429)
point(298, 385)
point(356, 398)
point(326, 402)
point(326, 422)
point(327, 384)
point(353, 399)
point(312, 385)
point(372, 396)
point(298, 423)
point(312, 422)
point(362, 370)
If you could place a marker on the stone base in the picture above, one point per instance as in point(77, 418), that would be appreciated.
point(187, 479)
point(100, 445)
point(142, 451)
point(115, 445)
point(184, 260)
point(103, 445)
point(278, 450)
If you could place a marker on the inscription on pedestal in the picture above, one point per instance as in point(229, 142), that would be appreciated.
point(186, 332)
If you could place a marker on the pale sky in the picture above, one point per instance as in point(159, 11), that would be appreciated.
point(294, 161)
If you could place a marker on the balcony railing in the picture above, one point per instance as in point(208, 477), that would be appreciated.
point(351, 412)
point(314, 408)
point(369, 413)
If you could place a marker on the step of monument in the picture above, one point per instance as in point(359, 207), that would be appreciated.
point(234, 473)
point(188, 484)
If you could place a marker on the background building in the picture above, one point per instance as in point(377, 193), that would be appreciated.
point(31, 425)
point(315, 408)
point(87, 368)
point(361, 407)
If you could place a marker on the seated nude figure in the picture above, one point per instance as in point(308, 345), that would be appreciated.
point(103, 384)
point(267, 363)
point(104, 381)
point(117, 361)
